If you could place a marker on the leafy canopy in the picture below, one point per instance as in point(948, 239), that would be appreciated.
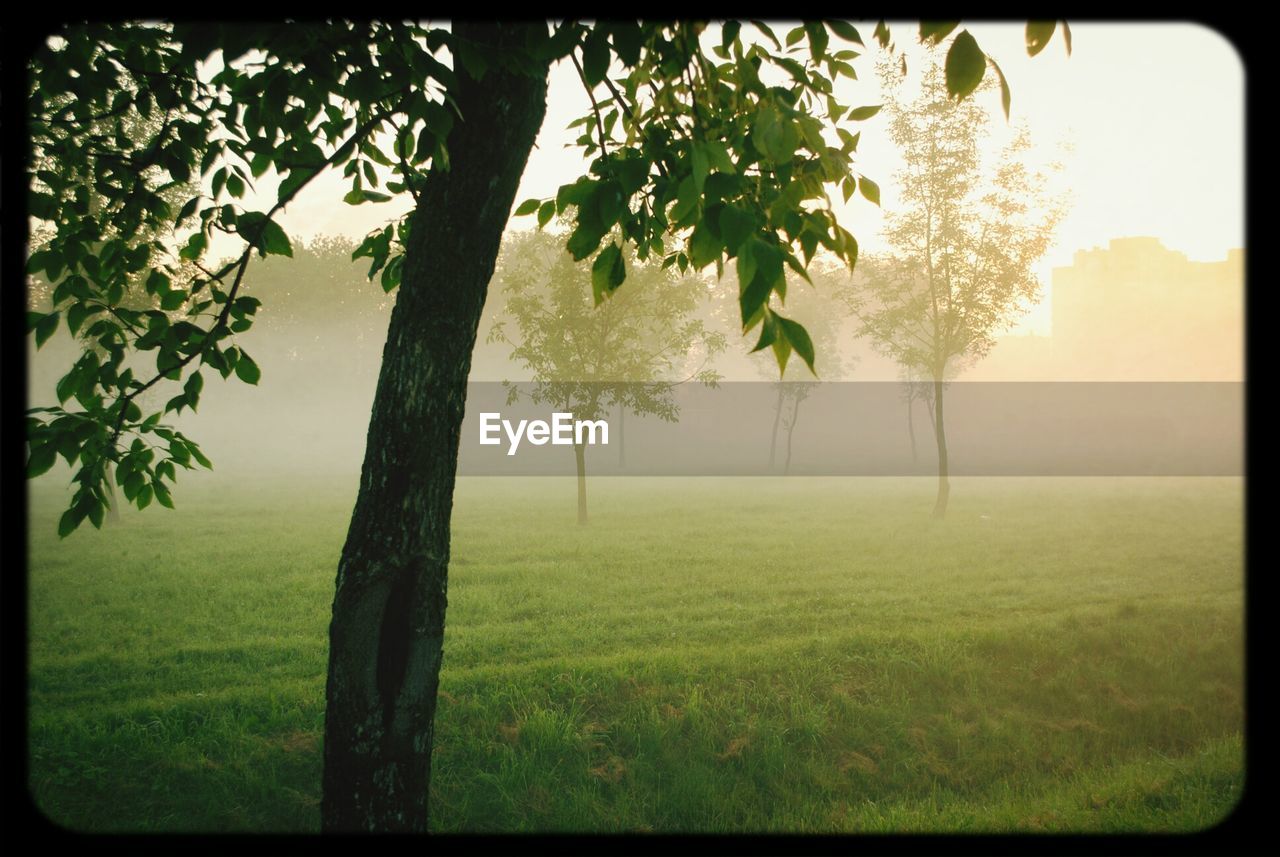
point(631, 350)
point(702, 156)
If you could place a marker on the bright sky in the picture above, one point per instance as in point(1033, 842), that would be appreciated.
point(1154, 111)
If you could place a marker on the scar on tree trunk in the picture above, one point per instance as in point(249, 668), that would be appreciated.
point(387, 631)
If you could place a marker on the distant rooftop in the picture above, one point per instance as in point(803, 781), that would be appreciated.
point(1141, 247)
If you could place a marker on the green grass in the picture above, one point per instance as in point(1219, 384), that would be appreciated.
point(809, 655)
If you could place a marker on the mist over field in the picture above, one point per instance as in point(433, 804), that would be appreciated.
point(949, 543)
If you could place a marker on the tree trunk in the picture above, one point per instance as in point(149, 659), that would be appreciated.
point(940, 431)
point(933, 418)
point(911, 426)
point(387, 631)
point(580, 455)
point(622, 438)
point(773, 440)
point(791, 430)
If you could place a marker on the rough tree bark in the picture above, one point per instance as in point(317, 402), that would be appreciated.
point(940, 433)
point(387, 629)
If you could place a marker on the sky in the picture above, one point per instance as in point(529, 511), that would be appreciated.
point(1153, 112)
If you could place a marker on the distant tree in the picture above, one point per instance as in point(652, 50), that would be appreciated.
point(963, 241)
point(914, 390)
point(628, 352)
point(818, 308)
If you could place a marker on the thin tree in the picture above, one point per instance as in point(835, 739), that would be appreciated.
point(629, 353)
point(819, 308)
point(964, 242)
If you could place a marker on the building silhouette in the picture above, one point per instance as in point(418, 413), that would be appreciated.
point(1133, 311)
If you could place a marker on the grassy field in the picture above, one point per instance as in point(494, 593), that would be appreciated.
point(808, 655)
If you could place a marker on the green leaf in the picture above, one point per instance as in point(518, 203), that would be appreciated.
point(869, 189)
point(194, 384)
point(729, 33)
point(859, 114)
point(607, 272)
point(799, 339)
point(76, 314)
point(736, 225)
point(172, 300)
point(95, 510)
point(782, 351)
point(595, 56)
point(699, 166)
point(194, 247)
point(609, 203)
point(162, 494)
point(359, 195)
point(704, 248)
point(42, 458)
point(768, 332)
point(747, 266)
point(846, 31)
point(404, 144)
point(529, 206)
point(391, 274)
point(768, 31)
point(247, 370)
point(818, 39)
point(189, 208)
point(757, 292)
point(1038, 35)
point(1006, 97)
point(157, 283)
point(545, 212)
point(274, 241)
point(627, 41)
point(199, 456)
point(46, 327)
point(686, 200)
point(965, 65)
point(882, 34)
point(933, 32)
point(438, 118)
point(69, 521)
point(584, 241)
point(774, 136)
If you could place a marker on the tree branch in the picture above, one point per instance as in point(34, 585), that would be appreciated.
point(595, 108)
point(243, 264)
